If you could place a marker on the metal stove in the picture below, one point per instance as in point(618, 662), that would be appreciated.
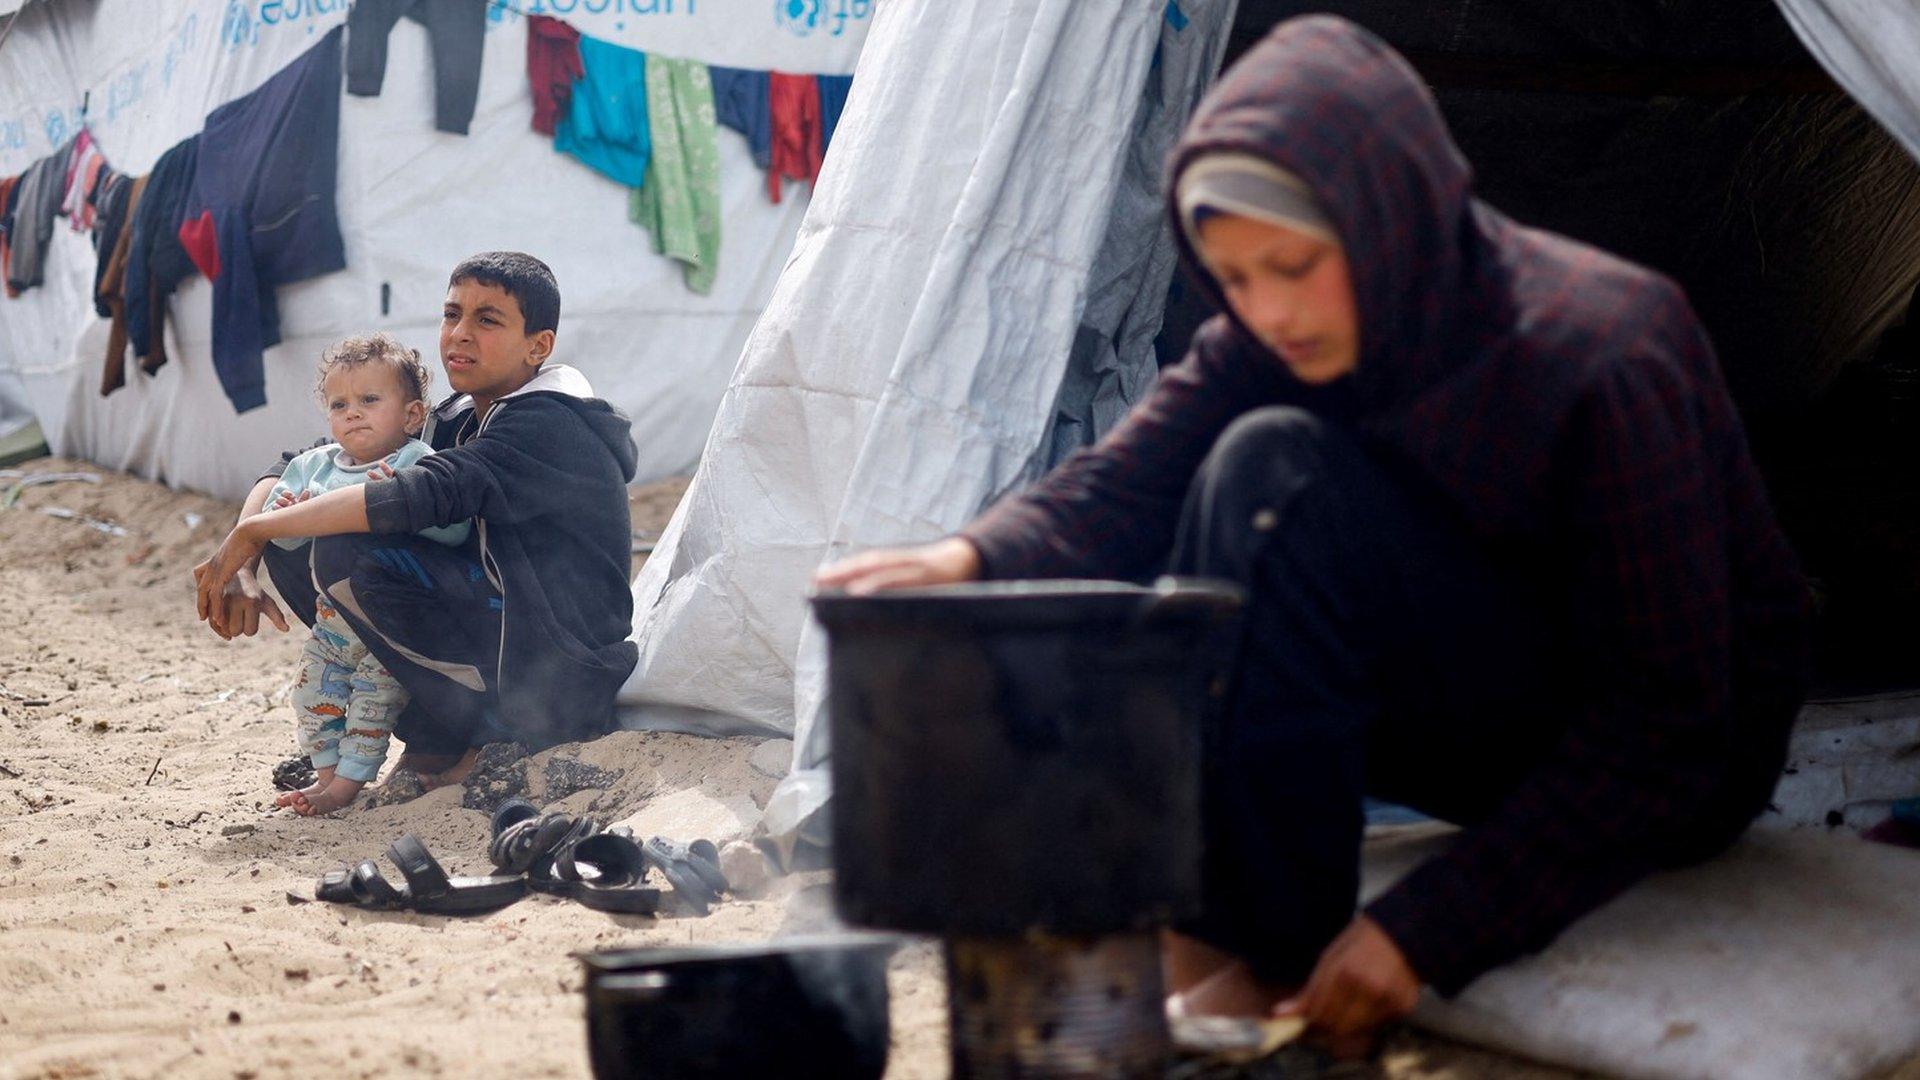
point(1016, 770)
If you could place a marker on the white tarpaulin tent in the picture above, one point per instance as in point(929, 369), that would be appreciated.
point(935, 339)
point(412, 203)
point(1872, 50)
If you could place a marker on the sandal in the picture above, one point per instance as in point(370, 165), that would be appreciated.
point(432, 892)
point(606, 872)
point(428, 890)
point(543, 873)
point(692, 869)
point(525, 841)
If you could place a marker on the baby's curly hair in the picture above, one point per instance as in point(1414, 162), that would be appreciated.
point(379, 348)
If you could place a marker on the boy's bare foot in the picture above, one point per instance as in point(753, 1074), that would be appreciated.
point(452, 774)
point(322, 777)
point(338, 795)
point(423, 764)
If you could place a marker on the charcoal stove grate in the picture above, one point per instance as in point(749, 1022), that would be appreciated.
point(1045, 1007)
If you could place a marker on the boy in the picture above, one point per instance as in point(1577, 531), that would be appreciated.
point(522, 634)
point(373, 391)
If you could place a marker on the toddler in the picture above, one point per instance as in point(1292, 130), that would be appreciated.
point(373, 391)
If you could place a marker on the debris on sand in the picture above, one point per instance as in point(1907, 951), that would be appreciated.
point(95, 524)
point(566, 776)
point(402, 785)
point(23, 481)
point(746, 869)
point(498, 774)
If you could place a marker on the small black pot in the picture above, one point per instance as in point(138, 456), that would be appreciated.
point(803, 1007)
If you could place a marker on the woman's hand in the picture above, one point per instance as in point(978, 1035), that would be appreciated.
point(237, 553)
point(943, 562)
point(1362, 982)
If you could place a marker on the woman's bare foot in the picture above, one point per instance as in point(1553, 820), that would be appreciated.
point(1206, 981)
point(322, 777)
point(452, 774)
point(338, 794)
point(1231, 991)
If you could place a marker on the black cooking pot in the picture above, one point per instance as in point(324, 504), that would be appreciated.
point(803, 1007)
point(1019, 755)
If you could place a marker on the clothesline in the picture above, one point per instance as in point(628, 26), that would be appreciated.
point(648, 121)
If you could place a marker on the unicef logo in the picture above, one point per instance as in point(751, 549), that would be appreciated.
point(797, 17)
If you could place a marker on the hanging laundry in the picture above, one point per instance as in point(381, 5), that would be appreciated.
point(108, 207)
point(605, 125)
point(794, 101)
point(740, 101)
point(79, 207)
point(833, 101)
point(83, 171)
point(110, 294)
point(262, 212)
point(36, 203)
point(553, 65)
point(79, 149)
point(456, 33)
point(156, 263)
point(8, 185)
point(679, 205)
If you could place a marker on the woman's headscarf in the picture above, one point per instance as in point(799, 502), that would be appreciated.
point(1247, 186)
point(1473, 330)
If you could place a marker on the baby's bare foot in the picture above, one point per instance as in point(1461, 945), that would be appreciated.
point(338, 795)
point(322, 778)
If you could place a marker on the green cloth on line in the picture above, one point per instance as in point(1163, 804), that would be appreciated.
point(679, 204)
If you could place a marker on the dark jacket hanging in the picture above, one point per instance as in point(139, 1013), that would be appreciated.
point(36, 203)
point(263, 189)
point(110, 296)
point(742, 101)
point(833, 101)
point(156, 263)
point(456, 32)
point(111, 210)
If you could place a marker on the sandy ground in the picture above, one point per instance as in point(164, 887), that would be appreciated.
point(144, 923)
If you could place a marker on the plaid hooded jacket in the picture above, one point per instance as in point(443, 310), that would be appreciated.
point(1569, 406)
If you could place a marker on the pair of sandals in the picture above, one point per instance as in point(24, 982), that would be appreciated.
point(429, 889)
point(604, 869)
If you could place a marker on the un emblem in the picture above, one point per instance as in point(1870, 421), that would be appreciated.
point(798, 17)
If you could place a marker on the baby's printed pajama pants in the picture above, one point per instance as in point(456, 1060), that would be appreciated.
point(345, 700)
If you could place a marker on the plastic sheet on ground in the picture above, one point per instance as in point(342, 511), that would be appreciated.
point(1796, 954)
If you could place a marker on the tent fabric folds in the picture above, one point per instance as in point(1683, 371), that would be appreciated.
point(909, 366)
